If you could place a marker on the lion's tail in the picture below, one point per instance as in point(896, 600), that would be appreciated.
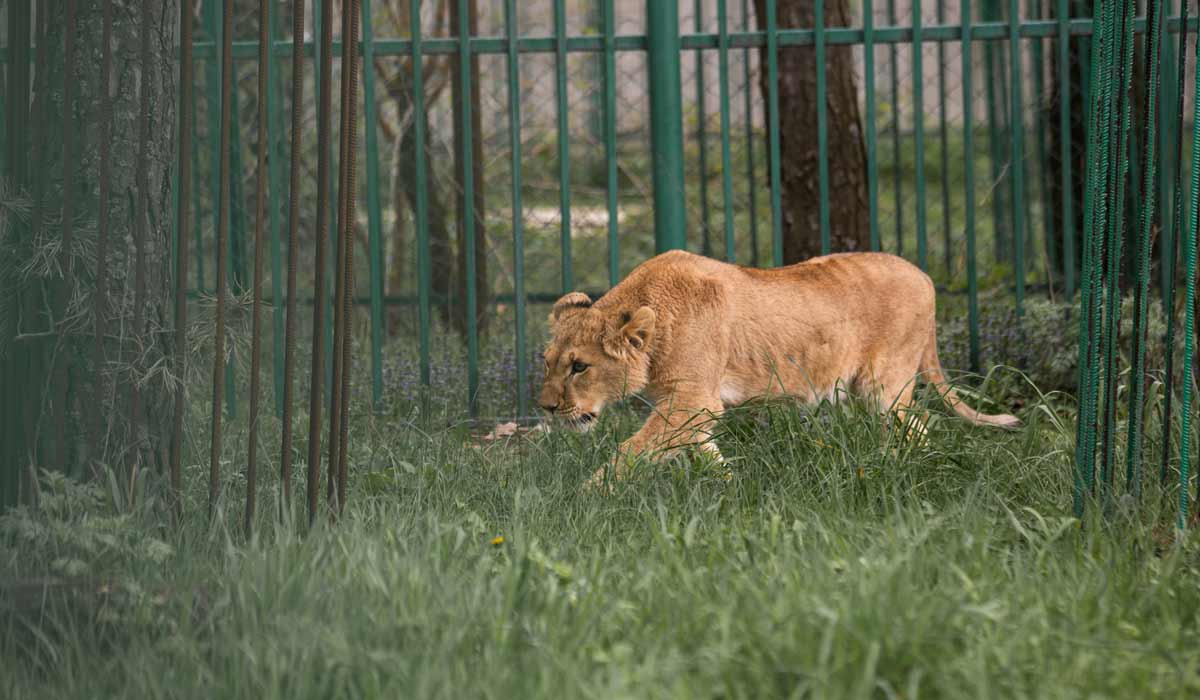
point(931, 370)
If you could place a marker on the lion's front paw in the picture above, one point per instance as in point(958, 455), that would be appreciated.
point(598, 482)
point(602, 479)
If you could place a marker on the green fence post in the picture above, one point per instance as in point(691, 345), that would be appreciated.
point(919, 133)
point(872, 139)
point(212, 17)
point(1016, 134)
point(822, 129)
point(374, 214)
point(610, 139)
point(776, 182)
point(421, 206)
point(968, 128)
point(702, 134)
point(666, 123)
point(518, 213)
point(564, 142)
point(748, 107)
point(898, 215)
point(947, 244)
point(278, 203)
point(726, 151)
point(1064, 125)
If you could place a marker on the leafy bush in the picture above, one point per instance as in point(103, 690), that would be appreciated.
point(1044, 343)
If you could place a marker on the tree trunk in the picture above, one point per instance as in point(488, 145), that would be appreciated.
point(66, 387)
point(477, 199)
point(848, 208)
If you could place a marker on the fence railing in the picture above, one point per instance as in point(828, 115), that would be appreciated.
point(1013, 40)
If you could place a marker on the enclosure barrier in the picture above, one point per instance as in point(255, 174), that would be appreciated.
point(664, 44)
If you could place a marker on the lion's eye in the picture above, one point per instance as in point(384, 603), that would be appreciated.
point(578, 367)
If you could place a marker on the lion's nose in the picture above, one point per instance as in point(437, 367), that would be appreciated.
point(548, 407)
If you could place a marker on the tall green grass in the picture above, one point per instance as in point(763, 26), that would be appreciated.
point(832, 560)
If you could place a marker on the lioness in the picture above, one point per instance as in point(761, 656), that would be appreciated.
point(697, 335)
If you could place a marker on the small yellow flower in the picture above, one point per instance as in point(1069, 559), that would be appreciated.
point(497, 540)
point(860, 472)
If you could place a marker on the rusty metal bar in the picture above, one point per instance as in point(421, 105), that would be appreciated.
point(37, 176)
point(289, 328)
point(260, 215)
point(66, 262)
point(339, 284)
point(318, 339)
point(349, 192)
point(186, 108)
point(214, 468)
point(100, 293)
point(142, 215)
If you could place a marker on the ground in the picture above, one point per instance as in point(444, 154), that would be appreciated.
point(831, 561)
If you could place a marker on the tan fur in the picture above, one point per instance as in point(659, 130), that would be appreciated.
point(697, 335)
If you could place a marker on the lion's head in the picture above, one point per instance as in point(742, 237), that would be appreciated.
point(596, 356)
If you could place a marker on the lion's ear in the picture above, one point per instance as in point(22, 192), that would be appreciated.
point(573, 300)
point(635, 331)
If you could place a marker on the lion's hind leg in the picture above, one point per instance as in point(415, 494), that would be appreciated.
point(893, 395)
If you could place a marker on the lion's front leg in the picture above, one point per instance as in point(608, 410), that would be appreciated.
point(680, 421)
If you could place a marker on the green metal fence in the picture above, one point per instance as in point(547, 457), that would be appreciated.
point(687, 165)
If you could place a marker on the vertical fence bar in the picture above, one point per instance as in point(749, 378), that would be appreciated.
point(1041, 126)
point(947, 252)
point(421, 187)
point(1064, 126)
point(197, 199)
point(518, 210)
point(1017, 127)
point(666, 121)
point(260, 216)
point(1133, 457)
point(330, 221)
point(564, 141)
point(610, 139)
point(60, 370)
point(348, 193)
point(1166, 174)
point(317, 374)
point(1170, 246)
point(103, 214)
point(468, 193)
point(237, 207)
point(1189, 252)
point(1115, 232)
point(702, 133)
point(726, 154)
point(773, 134)
point(214, 469)
point(919, 132)
point(213, 104)
point(822, 127)
point(293, 253)
point(142, 220)
point(183, 220)
point(275, 172)
point(17, 122)
point(342, 252)
point(1000, 244)
point(969, 186)
point(872, 111)
point(374, 216)
point(748, 108)
point(895, 128)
